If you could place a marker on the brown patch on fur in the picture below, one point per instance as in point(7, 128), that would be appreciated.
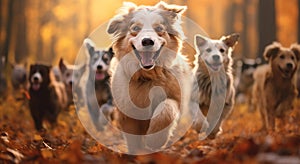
point(275, 88)
point(165, 74)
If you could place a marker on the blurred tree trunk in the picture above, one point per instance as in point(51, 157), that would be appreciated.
point(6, 23)
point(244, 38)
point(230, 17)
point(266, 24)
point(21, 51)
point(298, 21)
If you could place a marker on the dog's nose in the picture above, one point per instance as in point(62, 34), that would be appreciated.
point(35, 79)
point(99, 67)
point(70, 83)
point(147, 42)
point(216, 57)
point(289, 65)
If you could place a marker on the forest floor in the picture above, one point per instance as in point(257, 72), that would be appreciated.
point(68, 142)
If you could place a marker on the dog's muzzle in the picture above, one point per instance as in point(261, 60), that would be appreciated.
point(147, 58)
point(36, 81)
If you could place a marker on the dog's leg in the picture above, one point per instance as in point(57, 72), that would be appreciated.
point(164, 120)
point(218, 127)
point(133, 132)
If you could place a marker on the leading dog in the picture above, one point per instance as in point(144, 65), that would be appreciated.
point(147, 42)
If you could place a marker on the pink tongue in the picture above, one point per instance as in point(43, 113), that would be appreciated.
point(146, 59)
point(99, 76)
point(36, 86)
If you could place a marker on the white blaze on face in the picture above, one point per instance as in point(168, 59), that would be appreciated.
point(99, 67)
point(36, 80)
point(145, 31)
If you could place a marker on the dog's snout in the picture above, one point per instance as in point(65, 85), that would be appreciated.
point(216, 57)
point(70, 83)
point(147, 42)
point(35, 79)
point(289, 65)
point(99, 67)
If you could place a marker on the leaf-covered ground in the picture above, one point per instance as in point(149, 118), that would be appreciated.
point(68, 142)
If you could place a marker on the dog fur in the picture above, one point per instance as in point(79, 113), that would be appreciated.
point(213, 69)
point(275, 88)
point(19, 76)
point(147, 42)
point(70, 76)
point(98, 65)
point(47, 97)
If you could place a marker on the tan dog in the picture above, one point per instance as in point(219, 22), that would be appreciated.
point(213, 69)
point(275, 83)
point(147, 45)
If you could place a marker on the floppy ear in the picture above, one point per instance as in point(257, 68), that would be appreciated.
point(296, 49)
point(231, 39)
point(271, 50)
point(111, 52)
point(172, 8)
point(115, 23)
point(173, 11)
point(62, 65)
point(90, 46)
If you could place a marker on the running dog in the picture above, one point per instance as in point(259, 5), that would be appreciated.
point(147, 42)
point(47, 97)
point(98, 64)
point(213, 69)
point(70, 76)
point(19, 76)
point(274, 88)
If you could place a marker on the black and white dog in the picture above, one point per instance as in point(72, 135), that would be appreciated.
point(47, 96)
point(98, 65)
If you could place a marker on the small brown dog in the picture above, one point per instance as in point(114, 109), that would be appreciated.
point(275, 83)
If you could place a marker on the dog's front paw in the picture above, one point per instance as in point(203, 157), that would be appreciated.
point(107, 110)
point(201, 125)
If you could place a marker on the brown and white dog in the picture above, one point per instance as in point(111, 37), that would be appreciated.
point(213, 69)
point(275, 88)
point(70, 76)
point(147, 45)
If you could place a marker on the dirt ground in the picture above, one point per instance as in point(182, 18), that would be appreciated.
point(68, 142)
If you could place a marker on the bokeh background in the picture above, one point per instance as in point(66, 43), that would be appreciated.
point(44, 31)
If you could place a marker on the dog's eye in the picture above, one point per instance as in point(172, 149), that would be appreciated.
point(281, 56)
point(292, 57)
point(208, 50)
point(105, 58)
point(136, 28)
point(159, 29)
point(68, 74)
point(222, 50)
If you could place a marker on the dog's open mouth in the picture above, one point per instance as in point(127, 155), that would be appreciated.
point(99, 75)
point(214, 66)
point(147, 58)
point(36, 86)
point(286, 72)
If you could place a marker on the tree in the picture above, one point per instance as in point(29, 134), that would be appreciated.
point(266, 24)
point(20, 50)
point(299, 21)
point(7, 20)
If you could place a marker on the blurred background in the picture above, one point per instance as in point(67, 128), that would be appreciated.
point(35, 30)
